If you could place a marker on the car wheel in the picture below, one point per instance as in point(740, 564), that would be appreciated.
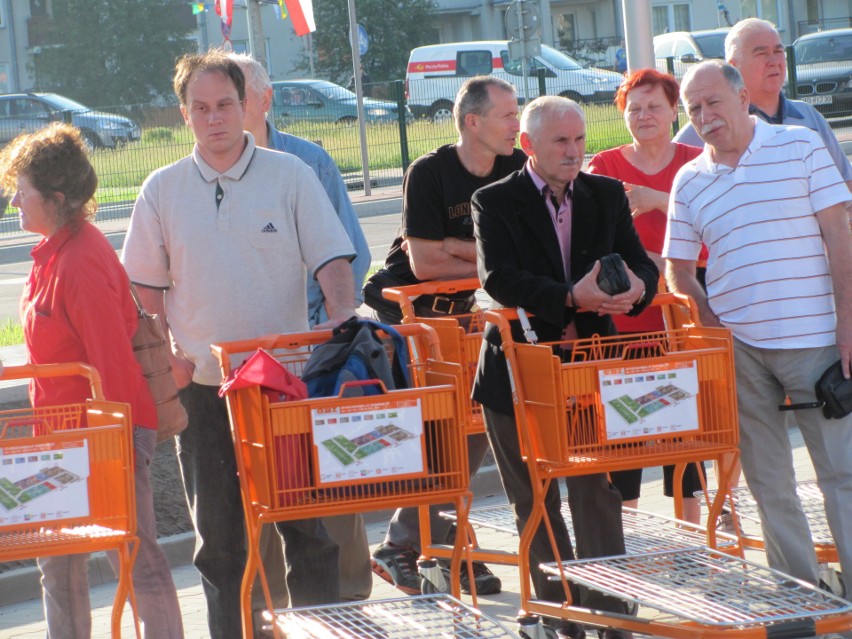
point(573, 95)
point(442, 111)
point(347, 121)
point(91, 140)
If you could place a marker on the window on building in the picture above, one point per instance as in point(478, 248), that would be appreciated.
point(39, 8)
point(765, 9)
point(566, 31)
point(673, 16)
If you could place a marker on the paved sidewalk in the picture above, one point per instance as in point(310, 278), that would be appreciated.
point(25, 620)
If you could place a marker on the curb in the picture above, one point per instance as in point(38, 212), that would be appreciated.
point(24, 584)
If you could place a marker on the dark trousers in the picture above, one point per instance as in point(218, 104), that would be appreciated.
point(209, 468)
point(595, 511)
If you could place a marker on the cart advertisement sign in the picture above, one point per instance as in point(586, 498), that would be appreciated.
point(368, 441)
point(43, 482)
point(649, 400)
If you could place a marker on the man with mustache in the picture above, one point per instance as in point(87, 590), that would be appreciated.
point(770, 206)
point(754, 47)
point(540, 234)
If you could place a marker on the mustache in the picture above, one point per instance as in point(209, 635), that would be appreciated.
point(711, 126)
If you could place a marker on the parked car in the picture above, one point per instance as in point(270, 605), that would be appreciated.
point(28, 112)
point(687, 48)
point(321, 101)
point(436, 72)
point(824, 71)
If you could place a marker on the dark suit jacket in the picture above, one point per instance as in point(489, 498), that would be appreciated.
point(520, 263)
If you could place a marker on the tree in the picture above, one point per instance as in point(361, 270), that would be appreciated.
point(113, 52)
point(395, 27)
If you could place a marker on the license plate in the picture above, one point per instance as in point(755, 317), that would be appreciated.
point(818, 99)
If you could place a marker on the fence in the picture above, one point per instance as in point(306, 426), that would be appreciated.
point(129, 142)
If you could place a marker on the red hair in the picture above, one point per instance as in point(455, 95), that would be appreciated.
point(647, 77)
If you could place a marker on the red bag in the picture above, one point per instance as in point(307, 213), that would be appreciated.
point(291, 453)
point(263, 370)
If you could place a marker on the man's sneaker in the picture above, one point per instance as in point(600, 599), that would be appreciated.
point(397, 565)
point(487, 583)
point(726, 524)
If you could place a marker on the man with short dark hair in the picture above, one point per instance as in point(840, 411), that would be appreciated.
point(356, 578)
point(219, 244)
point(770, 205)
point(436, 243)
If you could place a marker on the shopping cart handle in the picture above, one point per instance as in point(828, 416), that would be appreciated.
point(405, 295)
point(363, 382)
point(67, 369)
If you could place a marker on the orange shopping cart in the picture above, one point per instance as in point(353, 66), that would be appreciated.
point(460, 336)
point(66, 484)
point(659, 398)
point(295, 461)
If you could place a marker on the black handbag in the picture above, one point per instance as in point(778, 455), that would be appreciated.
point(833, 393)
point(613, 278)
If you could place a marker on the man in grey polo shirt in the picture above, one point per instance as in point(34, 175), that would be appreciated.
point(754, 47)
point(219, 244)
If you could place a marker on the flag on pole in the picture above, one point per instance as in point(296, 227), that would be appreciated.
point(302, 14)
point(225, 10)
point(197, 7)
point(283, 9)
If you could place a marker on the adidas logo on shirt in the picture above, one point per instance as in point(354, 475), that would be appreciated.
point(269, 228)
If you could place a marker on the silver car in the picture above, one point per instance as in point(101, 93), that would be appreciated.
point(28, 112)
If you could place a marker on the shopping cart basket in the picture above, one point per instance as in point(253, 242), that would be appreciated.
point(66, 484)
point(745, 515)
point(423, 616)
point(460, 336)
point(294, 463)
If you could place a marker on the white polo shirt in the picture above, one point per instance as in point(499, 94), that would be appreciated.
point(235, 270)
point(767, 272)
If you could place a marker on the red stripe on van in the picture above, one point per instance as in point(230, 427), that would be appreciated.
point(432, 67)
point(436, 66)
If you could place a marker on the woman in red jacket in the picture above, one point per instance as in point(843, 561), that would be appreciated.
point(77, 306)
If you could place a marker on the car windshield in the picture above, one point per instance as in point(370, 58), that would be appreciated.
point(334, 91)
point(712, 45)
point(559, 60)
point(828, 48)
point(61, 103)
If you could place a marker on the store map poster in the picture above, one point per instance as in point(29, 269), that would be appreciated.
point(43, 482)
point(368, 441)
point(649, 400)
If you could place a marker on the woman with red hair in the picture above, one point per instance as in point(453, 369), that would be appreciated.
point(647, 166)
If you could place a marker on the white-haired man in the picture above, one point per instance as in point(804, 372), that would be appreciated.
point(770, 205)
point(540, 234)
point(754, 47)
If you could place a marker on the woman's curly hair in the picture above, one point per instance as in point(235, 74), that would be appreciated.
point(54, 160)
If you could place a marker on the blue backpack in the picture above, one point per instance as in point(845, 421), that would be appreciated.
point(355, 352)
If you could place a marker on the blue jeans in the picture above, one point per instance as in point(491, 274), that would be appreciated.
point(65, 578)
point(209, 469)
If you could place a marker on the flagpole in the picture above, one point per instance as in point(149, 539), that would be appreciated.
point(356, 73)
point(257, 44)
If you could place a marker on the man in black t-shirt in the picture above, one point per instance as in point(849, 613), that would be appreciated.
point(436, 243)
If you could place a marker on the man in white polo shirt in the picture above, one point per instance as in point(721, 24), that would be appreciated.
point(218, 244)
point(769, 204)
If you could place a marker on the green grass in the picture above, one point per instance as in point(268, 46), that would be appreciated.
point(121, 171)
point(11, 332)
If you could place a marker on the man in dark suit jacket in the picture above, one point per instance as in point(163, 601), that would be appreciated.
point(540, 233)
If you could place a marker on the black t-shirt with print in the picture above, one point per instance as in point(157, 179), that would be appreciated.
point(436, 200)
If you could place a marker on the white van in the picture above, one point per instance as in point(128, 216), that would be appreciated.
point(436, 72)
